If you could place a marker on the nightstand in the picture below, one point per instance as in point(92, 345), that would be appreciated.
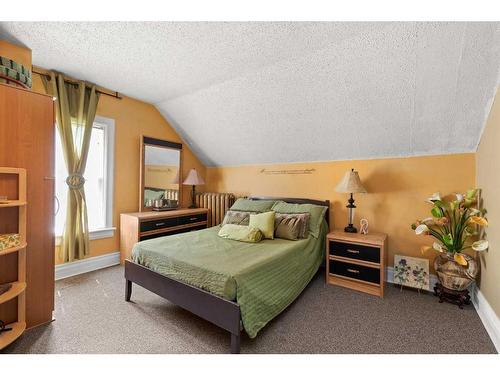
point(356, 261)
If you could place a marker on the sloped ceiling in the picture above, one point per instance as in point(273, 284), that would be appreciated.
point(248, 93)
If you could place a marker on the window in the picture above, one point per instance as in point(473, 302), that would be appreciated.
point(98, 181)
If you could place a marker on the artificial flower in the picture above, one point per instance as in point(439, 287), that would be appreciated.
point(422, 228)
point(479, 220)
point(434, 198)
point(460, 197)
point(437, 246)
point(460, 259)
point(480, 245)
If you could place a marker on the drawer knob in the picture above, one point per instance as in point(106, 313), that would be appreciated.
point(159, 224)
point(353, 251)
point(192, 218)
point(352, 271)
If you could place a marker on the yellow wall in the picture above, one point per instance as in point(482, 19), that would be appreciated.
point(132, 119)
point(397, 190)
point(488, 178)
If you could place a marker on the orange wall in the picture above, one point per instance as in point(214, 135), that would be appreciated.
point(132, 119)
point(397, 190)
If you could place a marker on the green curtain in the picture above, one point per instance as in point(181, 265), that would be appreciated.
point(75, 113)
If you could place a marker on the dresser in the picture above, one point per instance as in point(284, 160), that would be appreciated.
point(140, 226)
point(356, 261)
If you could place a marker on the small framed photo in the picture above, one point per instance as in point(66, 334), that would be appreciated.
point(411, 272)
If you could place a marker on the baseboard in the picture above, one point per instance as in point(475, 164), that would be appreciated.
point(488, 317)
point(86, 265)
point(389, 278)
point(490, 320)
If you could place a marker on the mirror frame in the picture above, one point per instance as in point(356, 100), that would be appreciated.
point(146, 140)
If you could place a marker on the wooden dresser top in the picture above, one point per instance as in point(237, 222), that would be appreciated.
point(162, 214)
point(339, 234)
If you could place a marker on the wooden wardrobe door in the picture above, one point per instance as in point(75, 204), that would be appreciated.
point(27, 131)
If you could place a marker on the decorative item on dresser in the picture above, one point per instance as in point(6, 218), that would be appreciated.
point(139, 226)
point(217, 203)
point(27, 136)
point(350, 184)
point(194, 179)
point(15, 289)
point(356, 261)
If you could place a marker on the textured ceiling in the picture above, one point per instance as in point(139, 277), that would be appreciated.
point(242, 93)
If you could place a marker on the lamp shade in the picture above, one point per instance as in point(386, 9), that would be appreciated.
point(194, 178)
point(351, 183)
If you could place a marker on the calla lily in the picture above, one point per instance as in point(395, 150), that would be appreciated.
point(422, 228)
point(437, 246)
point(460, 197)
point(479, 220)
point(428, 220)
point(480, 245)
point(435, 197)
point(460, 259)
point(474, 211)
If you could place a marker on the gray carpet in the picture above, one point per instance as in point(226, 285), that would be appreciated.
point(92, 317)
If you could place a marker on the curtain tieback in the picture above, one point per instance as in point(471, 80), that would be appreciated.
point(75, 181)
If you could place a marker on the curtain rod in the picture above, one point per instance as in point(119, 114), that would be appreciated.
point(101, 90)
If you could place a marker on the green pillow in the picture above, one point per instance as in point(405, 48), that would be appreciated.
point(263, 222)
point(317, 213)
point(240, 233)
point(243, 204)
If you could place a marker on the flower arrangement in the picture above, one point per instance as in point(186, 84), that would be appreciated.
point(453, 224)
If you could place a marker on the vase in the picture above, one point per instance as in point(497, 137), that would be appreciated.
point(452, 275)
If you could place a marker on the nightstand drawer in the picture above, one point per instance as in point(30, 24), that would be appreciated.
point(147, 226)
point(355, 271)
point(183, 220)
point(355, 251)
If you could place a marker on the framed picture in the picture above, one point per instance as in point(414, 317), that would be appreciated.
point(411, 272)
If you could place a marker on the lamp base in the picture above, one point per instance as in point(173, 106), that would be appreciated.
point(350, 229)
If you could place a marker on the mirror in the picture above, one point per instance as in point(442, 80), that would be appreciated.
point(161, 164)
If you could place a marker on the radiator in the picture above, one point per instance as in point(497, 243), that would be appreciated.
point(217, 203)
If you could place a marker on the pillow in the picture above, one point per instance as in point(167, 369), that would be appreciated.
point(317, 213)
point(263, 222)
point(236, 217)
point(243, 204)
point(291, 226)
point(240, 233)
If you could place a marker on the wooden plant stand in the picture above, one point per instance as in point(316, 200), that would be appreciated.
point(458, 298)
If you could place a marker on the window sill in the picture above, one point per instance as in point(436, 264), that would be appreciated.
point(97, 234)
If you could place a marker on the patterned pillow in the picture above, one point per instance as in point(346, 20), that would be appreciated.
point(237, 217)
point(291, 226)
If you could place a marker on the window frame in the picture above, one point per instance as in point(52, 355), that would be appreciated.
point(108, 125)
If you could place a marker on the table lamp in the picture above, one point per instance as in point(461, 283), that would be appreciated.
point(350, 184)
point(193, 179)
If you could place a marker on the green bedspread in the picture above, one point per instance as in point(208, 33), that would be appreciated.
point(263, 278)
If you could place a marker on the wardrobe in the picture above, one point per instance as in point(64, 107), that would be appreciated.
point(27, 135)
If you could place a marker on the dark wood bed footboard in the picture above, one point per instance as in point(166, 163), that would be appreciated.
point(217, 310)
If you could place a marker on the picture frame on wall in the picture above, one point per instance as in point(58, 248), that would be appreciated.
point(411, 272)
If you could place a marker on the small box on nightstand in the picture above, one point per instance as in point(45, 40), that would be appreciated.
point(356, 261)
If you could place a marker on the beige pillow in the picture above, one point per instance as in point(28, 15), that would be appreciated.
point(292, 225)
point(263, 222)
point(240, 233)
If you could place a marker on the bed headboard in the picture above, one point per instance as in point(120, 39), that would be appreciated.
point(300, 201)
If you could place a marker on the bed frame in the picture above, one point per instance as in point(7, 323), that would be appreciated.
point(215, 309)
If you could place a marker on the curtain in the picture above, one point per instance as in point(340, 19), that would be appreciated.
point(76, 105)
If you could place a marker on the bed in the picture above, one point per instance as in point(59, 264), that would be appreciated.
point(235, 285)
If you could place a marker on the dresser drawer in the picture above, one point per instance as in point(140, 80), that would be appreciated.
point(355, 271)
point(176, 231)
point(147, 226)
point(183, 220)
point(355, 251)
